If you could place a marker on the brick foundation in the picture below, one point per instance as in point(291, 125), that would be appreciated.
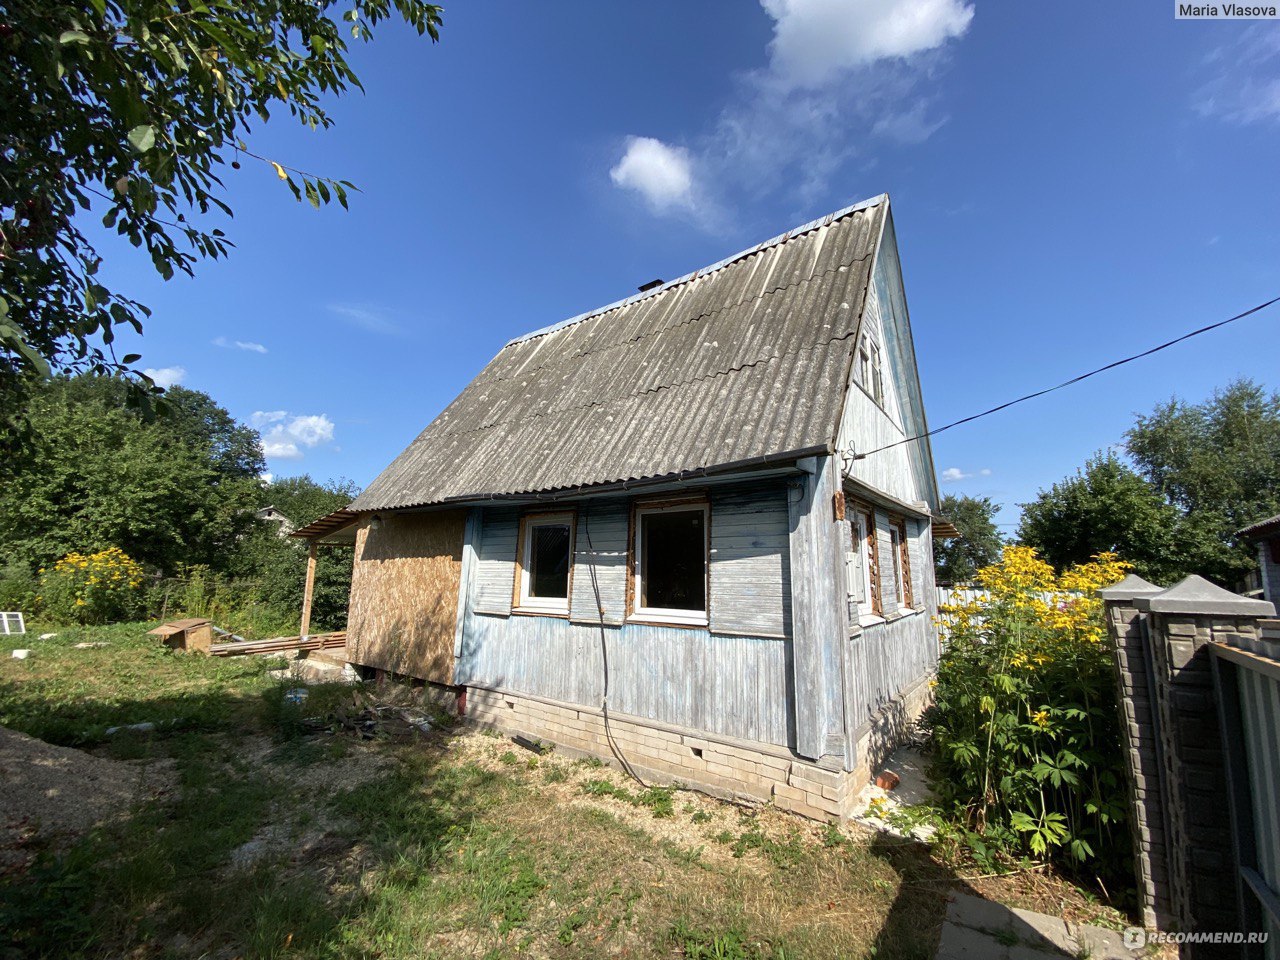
point(731, 769)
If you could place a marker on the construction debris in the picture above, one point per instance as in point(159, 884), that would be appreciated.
point(86, 645)
point(372, 721)
point(21, 654)
point(145, 727)
point(194, 634)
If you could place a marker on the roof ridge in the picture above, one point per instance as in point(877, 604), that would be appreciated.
point(720, 264)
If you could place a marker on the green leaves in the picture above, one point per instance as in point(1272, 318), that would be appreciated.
point(143, 137)
point(131, 113)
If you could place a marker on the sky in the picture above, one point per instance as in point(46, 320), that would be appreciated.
point(1071, 183)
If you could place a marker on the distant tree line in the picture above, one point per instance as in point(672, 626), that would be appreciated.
point(178, 493)
point(1170, 501)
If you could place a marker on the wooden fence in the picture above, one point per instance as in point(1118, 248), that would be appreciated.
point(1247, 677)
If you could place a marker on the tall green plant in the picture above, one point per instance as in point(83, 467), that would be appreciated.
point(1025, 723)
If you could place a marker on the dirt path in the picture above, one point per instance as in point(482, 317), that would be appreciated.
point(52, 794)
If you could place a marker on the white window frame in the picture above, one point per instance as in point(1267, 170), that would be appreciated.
point(692, 618)
point(877, 375)
point(861, 533)
point(549, 605)
point(11, 624)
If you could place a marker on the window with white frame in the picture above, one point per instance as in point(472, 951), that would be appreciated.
point(670, 563)
point(901, 562)
point(862, 566)
point(869, 373)
point(546, 556)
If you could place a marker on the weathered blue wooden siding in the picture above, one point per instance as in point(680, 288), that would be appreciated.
point(733, 686)
point(732, 679)
point(884, 661)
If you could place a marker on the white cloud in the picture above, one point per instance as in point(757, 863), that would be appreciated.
point(955, 474)
point(366, 317)
point(238, 345)
point(659, 172)
point(814, 41)
point(1244, 82)
point(166, 377)
point(261, 418)
point(289, 433)
point(838, 78)
point(911, 126)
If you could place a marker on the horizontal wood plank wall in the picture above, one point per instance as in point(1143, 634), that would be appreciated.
point(404, 594)
point(495, 575)
point(750, 561)
point(602, 527)
point(732, 686)
point(885, 660)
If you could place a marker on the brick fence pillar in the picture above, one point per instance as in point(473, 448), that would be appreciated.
point(1180, 621)
point(1139, 730)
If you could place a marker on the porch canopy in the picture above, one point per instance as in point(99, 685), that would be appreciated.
point(337, 529)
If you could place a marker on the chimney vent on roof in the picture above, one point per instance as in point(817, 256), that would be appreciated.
point(645, 287)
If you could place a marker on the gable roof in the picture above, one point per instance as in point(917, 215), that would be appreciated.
point(742, 362)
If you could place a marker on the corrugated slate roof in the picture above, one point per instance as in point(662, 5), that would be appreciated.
point(740, 362)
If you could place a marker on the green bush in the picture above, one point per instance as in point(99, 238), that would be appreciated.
point(1027, 757)
point(18, 588)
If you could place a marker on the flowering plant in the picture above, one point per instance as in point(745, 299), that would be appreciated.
point(1024, 722)
point(92, 588)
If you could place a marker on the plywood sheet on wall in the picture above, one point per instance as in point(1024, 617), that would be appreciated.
point(404, 594)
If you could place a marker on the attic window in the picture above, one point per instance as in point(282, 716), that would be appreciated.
point(670, 563)
point(869, 375)
point(546, 551)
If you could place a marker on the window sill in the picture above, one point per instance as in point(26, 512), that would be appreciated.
point(870, 619)
point(533, 612)
point(660, 621)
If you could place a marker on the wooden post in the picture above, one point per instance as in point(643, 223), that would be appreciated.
point(309, 589)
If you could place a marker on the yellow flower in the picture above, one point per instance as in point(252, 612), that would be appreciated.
point(1040, 718)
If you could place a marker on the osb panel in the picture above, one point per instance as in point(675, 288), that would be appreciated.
point(404, 594)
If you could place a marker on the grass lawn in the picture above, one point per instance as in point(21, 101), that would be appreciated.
point(276, 841)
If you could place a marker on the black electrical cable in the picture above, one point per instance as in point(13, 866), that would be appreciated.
point(1073, 380)
point(604, 653)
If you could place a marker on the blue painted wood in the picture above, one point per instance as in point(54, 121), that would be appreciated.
point(751, 561)
point(602, 529)
point(732, 686)
point(496, 559)
point(819, 614)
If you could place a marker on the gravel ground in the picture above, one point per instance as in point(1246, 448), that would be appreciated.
point(52, 794)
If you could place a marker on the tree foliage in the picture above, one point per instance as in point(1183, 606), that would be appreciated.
point(1105, 507)
point(179, 490)
point(1203, 471)
point(133, 110)
point(278, 564)
point(1218, 463)
point(979, 544)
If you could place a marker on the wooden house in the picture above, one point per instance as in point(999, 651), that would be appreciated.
point(698, 508)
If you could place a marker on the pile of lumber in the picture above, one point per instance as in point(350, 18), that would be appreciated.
point(316, 641)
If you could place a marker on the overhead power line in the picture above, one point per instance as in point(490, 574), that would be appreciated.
point(1067, 383)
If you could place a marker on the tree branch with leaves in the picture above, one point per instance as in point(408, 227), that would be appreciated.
point(135, 110)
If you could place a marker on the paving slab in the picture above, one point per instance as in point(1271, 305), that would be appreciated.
point(975, 927)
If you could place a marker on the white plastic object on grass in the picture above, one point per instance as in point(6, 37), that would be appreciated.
point(21, 654)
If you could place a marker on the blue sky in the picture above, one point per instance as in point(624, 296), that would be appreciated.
point(1071, 183)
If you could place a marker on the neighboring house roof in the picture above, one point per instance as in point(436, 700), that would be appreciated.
point(1261, 529)
point(743, 362)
